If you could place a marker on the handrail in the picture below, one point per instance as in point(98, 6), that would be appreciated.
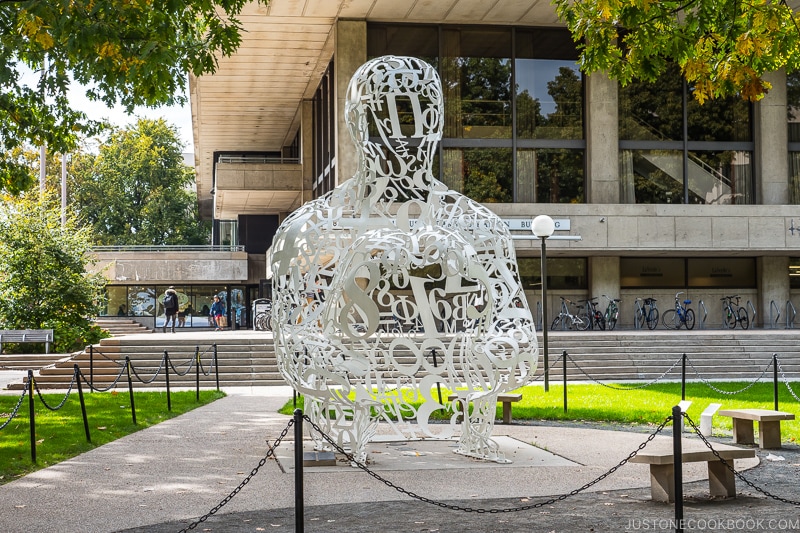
point(772, 305)
point(752, 312)
point(702, 305)
point(790, 307)
point(169, 248)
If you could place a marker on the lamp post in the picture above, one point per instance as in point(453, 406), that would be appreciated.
point(543, 227)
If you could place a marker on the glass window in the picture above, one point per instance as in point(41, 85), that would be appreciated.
point(652, 272)
point(652, 111)
point(793, 114)
point(568, 273)
point(651, 176)
point(476, 79)
point(117, 301)
point(483, 174)
point(142, 300)
point(550, 176)
point(722, 272)
point(406, 40)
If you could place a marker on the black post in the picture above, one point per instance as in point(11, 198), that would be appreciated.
point(298, 471)
point(564, 373)
point(83, 404)
point(130, 388)
point(91, 368)
point(166, 375)
point(438, 385)
point(32, 416)
point(775, 379)
point(294, 398)
point(683, 377)
point(216, 366)
point(677, 458)
point(197, 373)
point(545, 325)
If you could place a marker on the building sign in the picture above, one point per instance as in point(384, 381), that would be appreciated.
point(519, 224)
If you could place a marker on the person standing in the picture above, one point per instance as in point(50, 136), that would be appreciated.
point(170, 308)
point(217, 312)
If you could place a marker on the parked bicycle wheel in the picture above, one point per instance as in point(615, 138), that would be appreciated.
point(670, 319)
point(556, 323)
point(639, 318)
point(580, 323)
point(729, 320)
point(652, 319)
point(744, 319)
point(689, 319)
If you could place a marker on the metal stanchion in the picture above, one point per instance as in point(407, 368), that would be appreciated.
point(774, 380)
point(166, 376)
point(197, 373)
point(683, 377)
point(298, 471)
point(91, 368)
point(216, 366)
point(130, 387)
point(32, 415)
point(83, 404)
point(677, 458)
point(564, 373)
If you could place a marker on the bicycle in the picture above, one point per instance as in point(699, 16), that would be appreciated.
point(733, 314)
point(680, 316)
point(593, 315)
point(566, 320)
point(646, 312)
point(612, 312)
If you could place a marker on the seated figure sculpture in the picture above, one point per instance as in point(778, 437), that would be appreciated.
point(392, 287)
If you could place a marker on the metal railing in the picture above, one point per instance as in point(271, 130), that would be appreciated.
point(170, 248)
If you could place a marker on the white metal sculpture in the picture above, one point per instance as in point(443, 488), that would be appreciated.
point(391, 287)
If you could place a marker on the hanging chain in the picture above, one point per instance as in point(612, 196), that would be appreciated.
point(659, 378)
point(16, 409)
point(730, 393)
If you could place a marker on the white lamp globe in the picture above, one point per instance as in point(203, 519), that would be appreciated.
point(543, 226)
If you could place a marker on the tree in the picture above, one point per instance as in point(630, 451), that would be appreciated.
point(723, 47)
point(137, 189)
point(44, 282)
point(136, 53)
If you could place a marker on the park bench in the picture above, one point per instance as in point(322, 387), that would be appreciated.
point(506, 398)
point(769, 426)
point(28, 336)
point(660, 457)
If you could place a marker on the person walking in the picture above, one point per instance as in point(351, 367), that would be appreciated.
point(218, 312)
point(170, 308)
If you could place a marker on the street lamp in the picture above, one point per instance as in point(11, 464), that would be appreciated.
point(543, 227)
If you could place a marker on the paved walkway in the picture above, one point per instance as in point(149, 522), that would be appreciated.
point(165, 477)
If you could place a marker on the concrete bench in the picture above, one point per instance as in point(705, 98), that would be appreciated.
point(44, 336)
point(660, 457)
point(506, 398)
point(769, 426)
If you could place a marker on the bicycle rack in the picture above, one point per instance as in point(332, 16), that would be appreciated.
point(790, 312)
point(752, 313)
point(774, 323)
point(636, 324)
point(702, 305)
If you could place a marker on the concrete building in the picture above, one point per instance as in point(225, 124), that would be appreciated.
point(666, 195)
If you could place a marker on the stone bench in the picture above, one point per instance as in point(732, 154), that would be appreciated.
point(44, 336)
point(660, 457)
point(769, 426)
point(506, 398)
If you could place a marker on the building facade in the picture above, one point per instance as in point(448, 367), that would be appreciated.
point(666, 195)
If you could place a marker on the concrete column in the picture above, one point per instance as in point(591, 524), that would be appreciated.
point(772, 137)
point(351, 53)
point(773, 281)
point(603, 279)
point(307, 148)
point(602, 140)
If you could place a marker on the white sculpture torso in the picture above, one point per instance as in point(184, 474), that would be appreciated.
point(391, 286)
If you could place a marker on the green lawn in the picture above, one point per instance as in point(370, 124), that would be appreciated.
point(646, 406)
point(60, 434)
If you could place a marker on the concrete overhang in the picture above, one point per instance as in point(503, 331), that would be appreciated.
point(252, 103)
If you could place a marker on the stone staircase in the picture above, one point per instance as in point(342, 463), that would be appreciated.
point(247, 358)
point(117, 326)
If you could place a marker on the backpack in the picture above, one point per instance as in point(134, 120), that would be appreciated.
point(170, 301)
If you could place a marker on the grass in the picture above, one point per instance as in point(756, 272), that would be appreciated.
point(643, 407)
point(60, 434)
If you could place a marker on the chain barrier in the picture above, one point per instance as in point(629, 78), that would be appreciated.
point(107, 358)
point(730, 467)
point(158, 371)
point(730, 393)
point(106, 389)
point(651, 382)
point(245, 481)
point(190, 362)
point(552, 365)
point(480, 510)
point(63, 400)
point(16, 409)
point(785, 379)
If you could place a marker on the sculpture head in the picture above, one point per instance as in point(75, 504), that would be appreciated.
point(394, 113)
